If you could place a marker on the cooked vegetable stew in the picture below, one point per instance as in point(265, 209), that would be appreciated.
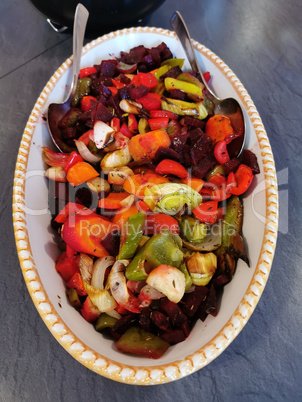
point(146, 201)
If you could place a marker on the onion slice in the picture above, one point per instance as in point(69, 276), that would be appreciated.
point(85, 153)
point(99, 270)
point(118, 287)
point(85, 266)
point(101, 298)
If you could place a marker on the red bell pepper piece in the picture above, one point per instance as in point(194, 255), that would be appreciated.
point(142, 206)
point(207, 76)
point(121, 310)
point(243, 179)
point(76, 282)
point(72, 208)
point(125, 130)
point(54, 158)
point(168, 166)
point(89, 311)
point(147, 79)
point(85, 138)
point(113, 200)
point(132, 124)
point(86, 102)
point(113, 90)
point(207, 212)
point(221, 190)
point(85, 72)
point(157, 222)
point(73, 159)
point(67, 266)
point(118, 84)
point(83, 233)
point(159, 122)
point(116, 124)
point(151, 101)
point(221, 153)
point(163, 113)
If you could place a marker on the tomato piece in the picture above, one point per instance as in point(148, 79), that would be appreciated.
point(67, 266)
point(207, 212)
point(157, 222)
point(168, 166)
point(221, 153)
point(151, 101)
point(243, 179)
point(85, 72)
point(86, 102)
point(76, 282)
point(159, 122)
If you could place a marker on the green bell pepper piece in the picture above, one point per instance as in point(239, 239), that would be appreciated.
point(143, 343)
point(104, 321)
point(193, 91)
point(173, 62)
point(184, 270)
point(192, 229)
point(131, 234)
point(135, 270)
point(83, 88)
point(182, 108)
point(162, 249)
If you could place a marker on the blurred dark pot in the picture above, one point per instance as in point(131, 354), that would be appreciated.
point(103, 14)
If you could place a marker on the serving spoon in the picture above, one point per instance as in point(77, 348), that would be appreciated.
point(57, 110)
point(227, 107)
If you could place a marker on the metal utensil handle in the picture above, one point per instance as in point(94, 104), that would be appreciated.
point(181, 30)
point(79, 27)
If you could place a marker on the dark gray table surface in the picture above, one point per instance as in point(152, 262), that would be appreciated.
point(260, 41)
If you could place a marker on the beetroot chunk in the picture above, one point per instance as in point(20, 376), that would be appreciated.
point(174, 72)
point(250, 159)
point(174, 337)
point(107, 68)
point(112, 243)
point(124, 323)
point(136, 55)
point(191, 121)
point(139, 92)
point(231, 166)
point(160, 320)
point(211, 302)
point(166, 153)
point(173, 311)
point(204, 166)
point(191, 301)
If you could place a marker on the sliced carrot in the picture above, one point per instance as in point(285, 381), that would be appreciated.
point(219, 128)
point(113, 200)
point(137, 183)
point(193, 182)
point(80, 173)
point(120, 218)
point(145, 145)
